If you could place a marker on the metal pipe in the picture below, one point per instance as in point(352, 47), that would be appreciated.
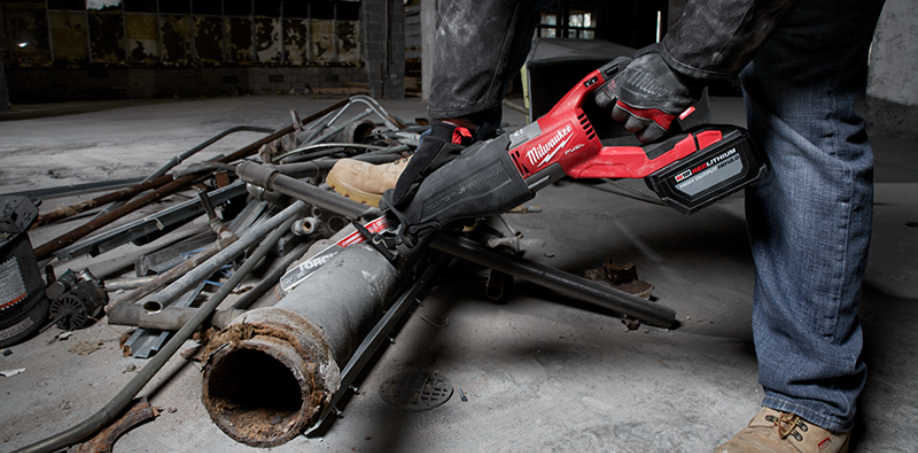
point(496, 285)
point(74, 209)
point(271, 179)
point(284, 362)
point(118, 284)
point(556, 280)
point(111, 410)
point(178, 271)
point(50, 247)
point(75, 189)
point(169, 318)
point(53, 245)
point(207, 268)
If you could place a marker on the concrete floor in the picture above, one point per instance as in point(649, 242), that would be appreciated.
point(541, 373)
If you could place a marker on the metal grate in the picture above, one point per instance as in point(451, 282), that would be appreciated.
point(415, 391)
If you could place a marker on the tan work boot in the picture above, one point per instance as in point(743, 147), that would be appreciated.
point(365, 182)
point(771, 431)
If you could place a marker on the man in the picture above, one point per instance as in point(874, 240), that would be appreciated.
point(802, 64)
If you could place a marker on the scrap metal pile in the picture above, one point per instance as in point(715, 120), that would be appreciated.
point(328, 296)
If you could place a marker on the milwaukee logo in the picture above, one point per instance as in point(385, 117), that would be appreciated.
point(543, 153)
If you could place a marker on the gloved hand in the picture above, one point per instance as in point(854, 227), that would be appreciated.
point(438, 146)
point(648, 95)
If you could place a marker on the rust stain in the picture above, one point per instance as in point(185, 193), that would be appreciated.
point(260, 426)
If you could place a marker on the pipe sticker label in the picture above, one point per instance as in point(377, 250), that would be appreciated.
point(12, 287)
point(298, 274)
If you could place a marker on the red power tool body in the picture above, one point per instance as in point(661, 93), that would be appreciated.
point(688, 170)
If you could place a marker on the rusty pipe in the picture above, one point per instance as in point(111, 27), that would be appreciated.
point(64, 240)
point(274, 371)
point(74, 209)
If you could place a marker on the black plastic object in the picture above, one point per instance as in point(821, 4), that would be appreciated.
point(709, 174)
point(23, 306)
point(77, 307)
point(482, 181)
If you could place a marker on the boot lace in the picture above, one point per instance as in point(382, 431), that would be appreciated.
point(789, 425)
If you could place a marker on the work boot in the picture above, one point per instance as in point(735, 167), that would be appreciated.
point(365, 182)
point(771, 431)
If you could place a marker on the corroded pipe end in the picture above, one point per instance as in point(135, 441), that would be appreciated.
point(262, 386)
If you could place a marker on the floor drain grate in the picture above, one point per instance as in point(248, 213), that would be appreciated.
point(415, 391)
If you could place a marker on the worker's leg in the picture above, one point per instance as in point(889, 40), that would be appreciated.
point(810, 218)
point(481, 46)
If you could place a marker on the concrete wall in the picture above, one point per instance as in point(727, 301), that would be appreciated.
point(892, 90)
point(49, 84)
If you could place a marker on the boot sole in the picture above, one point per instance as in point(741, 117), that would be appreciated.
point(360, 196)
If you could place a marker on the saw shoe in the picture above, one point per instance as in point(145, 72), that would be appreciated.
point(365, 182)
point(771, 431)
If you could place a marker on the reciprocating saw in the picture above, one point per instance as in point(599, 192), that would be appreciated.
point(688, 170)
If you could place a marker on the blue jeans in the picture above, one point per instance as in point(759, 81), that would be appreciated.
point(809, 219)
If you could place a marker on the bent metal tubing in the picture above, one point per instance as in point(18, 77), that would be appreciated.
point(279, 224)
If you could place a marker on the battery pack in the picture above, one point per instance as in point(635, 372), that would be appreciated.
point(709, 174)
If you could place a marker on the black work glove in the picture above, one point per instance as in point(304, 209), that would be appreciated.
point(648, 95)
point(441, 145)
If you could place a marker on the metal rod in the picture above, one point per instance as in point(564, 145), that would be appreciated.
point(74, 209)
point(47, 249)
point(53, 245)
point(181, 157)
point(556, 280)
point(169, 318)
point(176, 272)
point(271, 179)
point(75, 189)
point(207, 268)
point(280, 223)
